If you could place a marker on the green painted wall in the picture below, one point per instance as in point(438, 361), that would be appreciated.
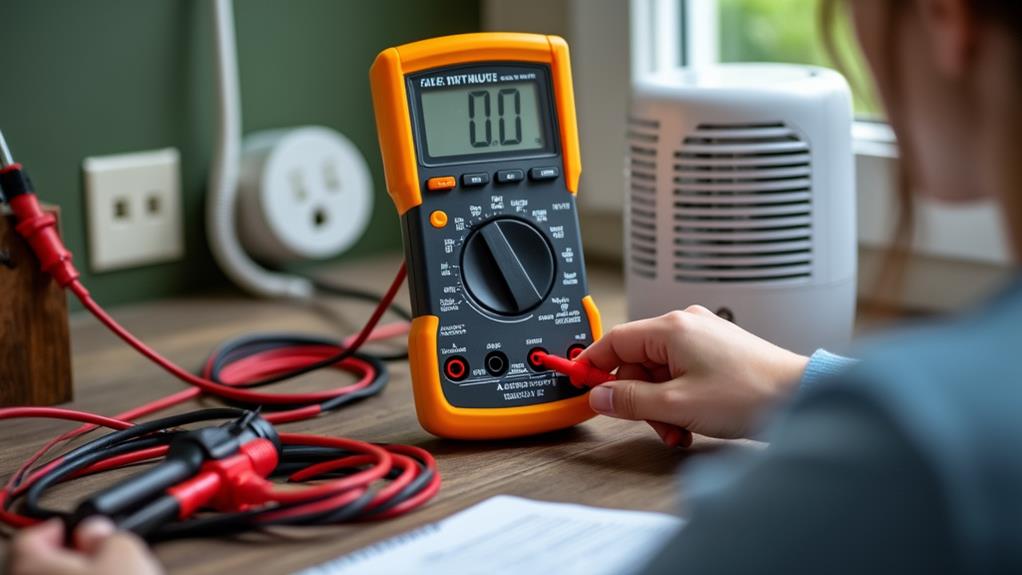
point(114, 76)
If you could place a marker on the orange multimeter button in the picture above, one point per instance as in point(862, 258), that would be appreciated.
point(441, 183)
point(438, 219)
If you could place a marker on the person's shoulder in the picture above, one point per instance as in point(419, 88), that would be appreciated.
point(975, 353)
point(952, 388)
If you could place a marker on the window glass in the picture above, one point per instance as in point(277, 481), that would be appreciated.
point(791, 31)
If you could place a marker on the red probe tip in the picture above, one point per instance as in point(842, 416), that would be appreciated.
point(580, 373)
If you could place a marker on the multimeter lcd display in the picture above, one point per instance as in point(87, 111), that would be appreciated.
point(482, 119)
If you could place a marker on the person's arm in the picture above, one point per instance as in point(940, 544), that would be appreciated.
point(823, 365)
point(694, 370)
point(840, 490)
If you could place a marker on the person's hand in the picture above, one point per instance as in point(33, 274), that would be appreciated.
point(100, 550)
point(694, 370)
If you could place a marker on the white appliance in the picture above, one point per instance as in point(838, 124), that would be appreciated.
point(741, 199)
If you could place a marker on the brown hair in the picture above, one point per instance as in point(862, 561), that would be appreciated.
point(889, 280)
point(1005, 12)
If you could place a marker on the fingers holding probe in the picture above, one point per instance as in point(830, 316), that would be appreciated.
point(631, 379)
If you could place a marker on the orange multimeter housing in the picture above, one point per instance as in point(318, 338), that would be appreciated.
point(481, 154)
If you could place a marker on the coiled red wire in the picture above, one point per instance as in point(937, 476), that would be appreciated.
point(366, 465)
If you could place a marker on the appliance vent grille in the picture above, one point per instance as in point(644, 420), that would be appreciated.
point(643, 137)
point(743, 205)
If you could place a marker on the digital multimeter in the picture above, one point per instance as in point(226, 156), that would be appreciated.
point(481, 155)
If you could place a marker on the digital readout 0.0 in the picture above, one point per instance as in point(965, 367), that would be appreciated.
point(482, 119)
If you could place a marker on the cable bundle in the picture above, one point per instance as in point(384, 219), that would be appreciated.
point(358, 480)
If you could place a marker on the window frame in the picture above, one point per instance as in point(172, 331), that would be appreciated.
point(686, 33)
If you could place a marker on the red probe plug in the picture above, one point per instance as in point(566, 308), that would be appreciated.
point(37, 227)
point(234, 483)
point(580, 373)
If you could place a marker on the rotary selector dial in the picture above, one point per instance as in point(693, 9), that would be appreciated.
point(507, 266)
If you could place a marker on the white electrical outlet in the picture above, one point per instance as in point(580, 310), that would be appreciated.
point(304, 192)
point(134, 209)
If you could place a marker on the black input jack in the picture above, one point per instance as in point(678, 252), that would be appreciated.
point(496, 363)
point(456, 368)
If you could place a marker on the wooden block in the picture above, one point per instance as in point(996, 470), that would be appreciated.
point(35, 354)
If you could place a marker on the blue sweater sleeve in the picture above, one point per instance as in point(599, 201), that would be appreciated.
point(823, 365)
point(841, 490)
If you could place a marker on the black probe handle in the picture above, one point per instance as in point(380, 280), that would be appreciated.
point(129, 494)
point(159, 512)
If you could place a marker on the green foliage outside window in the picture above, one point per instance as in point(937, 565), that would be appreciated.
point(791, 31)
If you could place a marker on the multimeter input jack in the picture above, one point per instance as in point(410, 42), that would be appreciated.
point(533, 358)
point(496, 363)
point(456, 368)
point(575, 350)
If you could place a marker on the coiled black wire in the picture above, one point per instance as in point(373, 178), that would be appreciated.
point(241, 347)
point(162, 431)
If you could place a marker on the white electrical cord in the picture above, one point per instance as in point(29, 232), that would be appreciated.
point(223, 178)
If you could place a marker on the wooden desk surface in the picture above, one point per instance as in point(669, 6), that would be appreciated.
point(602, 462)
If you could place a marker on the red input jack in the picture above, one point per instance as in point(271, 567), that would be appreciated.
point(575, 351)
point(456, 368)
point(535, 358)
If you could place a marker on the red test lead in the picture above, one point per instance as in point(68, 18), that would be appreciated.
point(35, 225)
point(347, 473)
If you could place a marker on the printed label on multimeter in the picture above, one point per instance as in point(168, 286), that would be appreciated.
point(505, 274)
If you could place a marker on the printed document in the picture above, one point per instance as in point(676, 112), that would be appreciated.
point(512, 535)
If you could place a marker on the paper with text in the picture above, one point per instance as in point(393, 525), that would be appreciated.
point(511, 535)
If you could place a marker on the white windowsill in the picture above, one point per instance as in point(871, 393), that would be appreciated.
point(871, 138)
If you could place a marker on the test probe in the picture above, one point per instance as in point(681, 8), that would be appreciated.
point(360, 480)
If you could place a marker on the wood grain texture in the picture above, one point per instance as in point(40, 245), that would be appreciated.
point(603, 462)
point(35, 354)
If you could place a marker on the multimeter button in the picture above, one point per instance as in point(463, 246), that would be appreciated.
point(510, 176)
point(473, 180)
point(441, 183)
point(438, 219)
point(548, 173)
point(456, 368)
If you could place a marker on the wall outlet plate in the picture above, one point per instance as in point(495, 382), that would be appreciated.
point(134, 209)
